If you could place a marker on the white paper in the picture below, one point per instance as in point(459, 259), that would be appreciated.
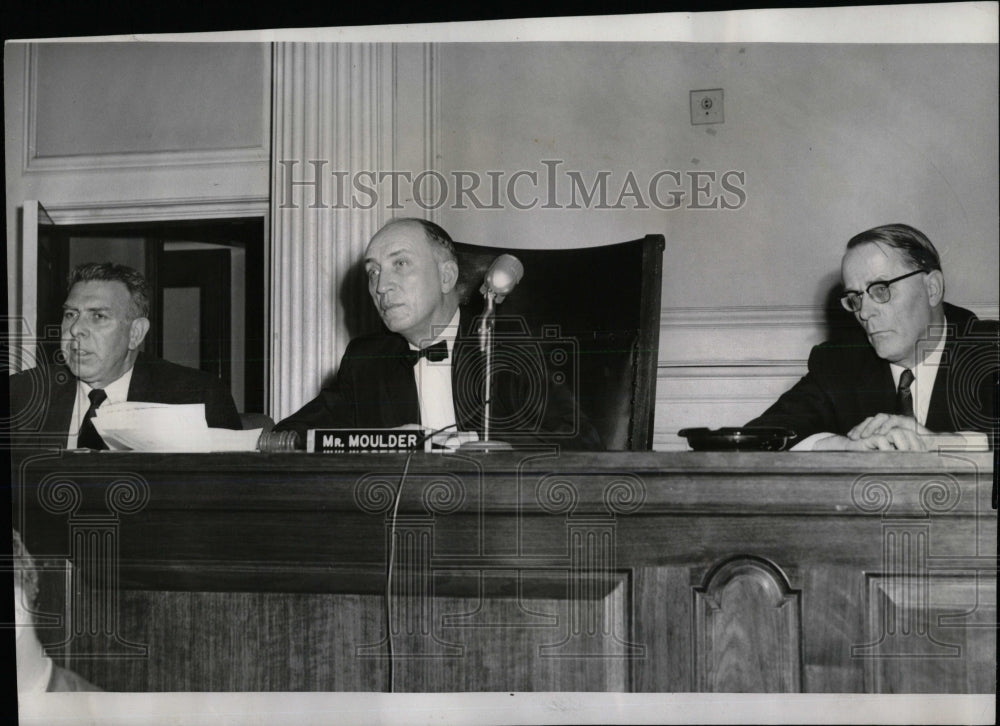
point(158, 427)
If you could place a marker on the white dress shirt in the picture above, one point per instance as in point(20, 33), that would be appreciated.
point(437, 407)
point(924, 375)
point(117, 393)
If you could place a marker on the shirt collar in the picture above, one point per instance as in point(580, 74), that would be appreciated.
point(931, 361)
point(117, 390)
point(447, 333)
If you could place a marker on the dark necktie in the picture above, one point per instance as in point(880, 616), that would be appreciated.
point(433, 353)
point(904, 396)
point(88, 437)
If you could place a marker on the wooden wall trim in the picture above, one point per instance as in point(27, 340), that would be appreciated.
point(159, 209)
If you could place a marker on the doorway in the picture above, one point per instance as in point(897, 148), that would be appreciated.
point(207, 290)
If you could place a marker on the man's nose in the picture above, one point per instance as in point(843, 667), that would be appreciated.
point(385, 282)
point(868, 307)
point(76, 328)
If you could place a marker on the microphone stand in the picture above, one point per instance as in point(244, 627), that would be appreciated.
point(486, 328)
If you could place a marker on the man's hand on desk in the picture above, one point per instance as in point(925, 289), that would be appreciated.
point(894, 440)
point(888, 432)
point(884, 423)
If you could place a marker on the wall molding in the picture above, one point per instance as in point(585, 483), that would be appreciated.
point(158, 209)
point(775, 316)
point(721, 367)
point(135, 160)
point(756, 316)
point(752, 336)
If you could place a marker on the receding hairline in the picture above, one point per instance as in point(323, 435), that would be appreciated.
point(910, 243)
point(440, 247)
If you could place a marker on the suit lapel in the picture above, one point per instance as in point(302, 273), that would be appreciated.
point(938, 415)
point(140, 387)
point(397, 385)
point(61, 402)
point(877, 394)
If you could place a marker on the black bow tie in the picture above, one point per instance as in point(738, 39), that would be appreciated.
point(433, 353)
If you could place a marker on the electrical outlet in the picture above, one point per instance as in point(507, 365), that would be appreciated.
point(706, 106)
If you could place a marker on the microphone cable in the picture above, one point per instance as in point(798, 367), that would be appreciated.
point(391, 555)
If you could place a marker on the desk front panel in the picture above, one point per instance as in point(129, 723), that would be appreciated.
point(517, 572)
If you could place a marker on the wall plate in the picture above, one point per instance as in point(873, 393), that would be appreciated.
point(706, 106)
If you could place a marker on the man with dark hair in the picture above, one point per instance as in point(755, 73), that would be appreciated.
point(103, 325)
point(925, 373)
point(426, 370)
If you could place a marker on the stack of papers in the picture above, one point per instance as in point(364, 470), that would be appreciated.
point(158, 427)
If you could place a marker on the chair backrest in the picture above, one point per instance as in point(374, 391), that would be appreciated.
point(606, 300)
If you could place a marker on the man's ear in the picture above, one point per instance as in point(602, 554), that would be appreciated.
point(934, 282)
point(137, 332)
point(449, 275)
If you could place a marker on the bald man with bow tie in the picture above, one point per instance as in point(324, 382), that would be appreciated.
point(426, 369)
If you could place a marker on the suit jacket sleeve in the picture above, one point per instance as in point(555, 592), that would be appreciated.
point(373, 388)
point(332, 408)
point(220, 409)
point(809, 407)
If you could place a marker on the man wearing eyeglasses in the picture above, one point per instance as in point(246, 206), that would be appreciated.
point(925, 373)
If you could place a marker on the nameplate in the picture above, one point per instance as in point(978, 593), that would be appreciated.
point(355, 441)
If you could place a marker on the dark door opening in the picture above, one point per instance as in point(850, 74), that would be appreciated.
point(207, 284)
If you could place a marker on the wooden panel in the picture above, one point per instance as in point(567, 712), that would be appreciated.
point(244, 641)
point(926, 633)
point(210, 641)
point(747, 630)
point(615, 571)
point(831, 623)
point(663, 597)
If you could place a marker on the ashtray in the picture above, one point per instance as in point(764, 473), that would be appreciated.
point(737, 439)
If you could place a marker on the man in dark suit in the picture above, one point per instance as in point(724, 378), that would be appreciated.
point(923, 374)
point(104, 323)
point(428, 369)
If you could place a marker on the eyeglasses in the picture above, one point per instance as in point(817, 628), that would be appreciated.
point(878, 291)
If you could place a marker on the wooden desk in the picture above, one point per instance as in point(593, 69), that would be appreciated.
point(521, 571)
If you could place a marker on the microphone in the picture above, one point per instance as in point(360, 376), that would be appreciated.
point(504, 274)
